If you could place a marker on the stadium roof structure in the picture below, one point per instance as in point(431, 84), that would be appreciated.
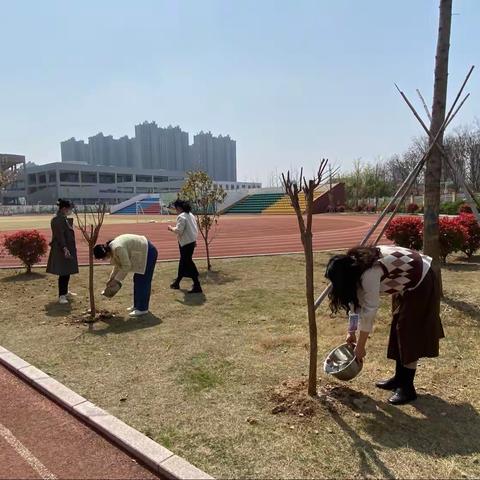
point(10, 161)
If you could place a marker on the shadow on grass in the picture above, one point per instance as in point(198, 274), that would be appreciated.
point(119, 324)
point(24, 277)
point(192, 299)
point(368, 453)
point(443, 429)
point(470, 309)
point(462, 267)
point(54, 309)
point(217, 277)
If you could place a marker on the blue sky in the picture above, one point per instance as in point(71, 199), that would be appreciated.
point(291, 81)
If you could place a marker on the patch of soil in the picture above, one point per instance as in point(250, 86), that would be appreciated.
point(85, 317)
point(291, 397)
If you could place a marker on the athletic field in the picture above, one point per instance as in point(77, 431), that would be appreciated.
point(234, 235)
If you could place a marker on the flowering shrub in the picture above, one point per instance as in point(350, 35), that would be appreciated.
point(453, 236)
point(406, 232)
point(412, 208)
point(472, 242)
point(29, 246)
point(464, 208)
point(341, 208)
point(370, 208)
point(358, 208)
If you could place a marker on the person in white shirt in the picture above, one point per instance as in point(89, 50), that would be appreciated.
point(359, 277)
point(186, 230)
point(136, 254)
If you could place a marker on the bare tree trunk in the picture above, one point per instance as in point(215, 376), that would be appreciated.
point(93, 309)
point(312, 323)
point(207, 248)
point(433, 174)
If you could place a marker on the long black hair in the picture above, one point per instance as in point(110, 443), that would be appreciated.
point(62, 203)
point(345, 272)
point(101, 250)
point(183, 205)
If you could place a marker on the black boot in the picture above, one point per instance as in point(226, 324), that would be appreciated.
point(392, 383)
point(196, 289)
point(175, 285)
point(196, 286)
point(405, 393)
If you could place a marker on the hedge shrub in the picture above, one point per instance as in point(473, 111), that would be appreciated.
point(406, 232)
point(453, 236)
point(472, 242)
point(29, 246)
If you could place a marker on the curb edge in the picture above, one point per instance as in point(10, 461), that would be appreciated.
point(147, 451)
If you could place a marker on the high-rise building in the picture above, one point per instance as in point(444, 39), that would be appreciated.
point(215, 155)
point(154, 147)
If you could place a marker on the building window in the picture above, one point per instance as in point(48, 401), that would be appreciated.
point(176, 179)
point(125, 189)
point(144, 178)
point(108, 190)
point(52, 177)
point(32, 179)
point(42, 178)
point(69, 177)
point(144, 190)
point(123, 178)
point(107, 178)
point(160, 179)
point(89, 177)
point(32, 189)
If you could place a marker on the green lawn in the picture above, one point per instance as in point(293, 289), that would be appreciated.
point(199, 375)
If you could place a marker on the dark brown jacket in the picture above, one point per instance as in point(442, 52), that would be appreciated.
point(63, 235)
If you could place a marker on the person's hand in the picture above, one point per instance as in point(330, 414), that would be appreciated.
point(67, 253)
point(170, 228)
point(360, 352)
point(351, 338)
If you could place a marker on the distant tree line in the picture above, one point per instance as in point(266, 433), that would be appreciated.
point(375, 180)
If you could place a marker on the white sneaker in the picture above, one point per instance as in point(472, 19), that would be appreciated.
point(130, 309)
point(62, 300)
point(137, 313)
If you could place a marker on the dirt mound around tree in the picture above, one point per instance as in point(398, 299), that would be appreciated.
point(291, 397)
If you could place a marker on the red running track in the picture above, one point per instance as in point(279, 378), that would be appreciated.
point(40, 440)
point(240, 236)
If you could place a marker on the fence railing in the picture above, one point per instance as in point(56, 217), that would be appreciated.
point(8, 210)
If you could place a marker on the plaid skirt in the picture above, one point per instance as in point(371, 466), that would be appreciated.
point(416, 327)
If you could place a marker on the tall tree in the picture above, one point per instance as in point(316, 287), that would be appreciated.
point(433, 173)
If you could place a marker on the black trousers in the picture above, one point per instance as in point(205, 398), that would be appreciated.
point(186, 266)
point(63, 284)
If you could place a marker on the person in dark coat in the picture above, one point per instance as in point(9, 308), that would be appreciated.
point(62, 260)
point(359, 277)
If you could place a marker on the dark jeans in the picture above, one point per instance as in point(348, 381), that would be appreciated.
point(63, 284)
point(142, 284)
point(186, 266)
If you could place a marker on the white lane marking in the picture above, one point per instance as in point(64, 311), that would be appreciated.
point(26, 454)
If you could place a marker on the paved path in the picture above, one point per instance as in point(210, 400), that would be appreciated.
point(40, 440)
point(241, 235)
